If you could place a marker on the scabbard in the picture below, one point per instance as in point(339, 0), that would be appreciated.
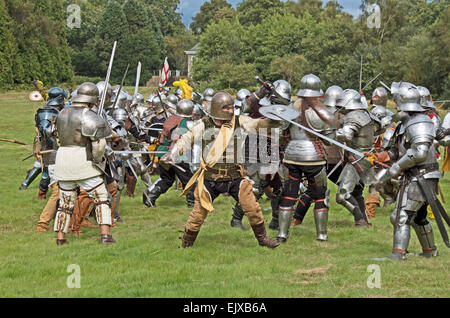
point(436, 207)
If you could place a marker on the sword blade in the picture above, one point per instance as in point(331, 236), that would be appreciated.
point(138, 77)
point(331, 141)
point(108, 74)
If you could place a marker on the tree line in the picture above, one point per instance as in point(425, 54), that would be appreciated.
point(271, 38)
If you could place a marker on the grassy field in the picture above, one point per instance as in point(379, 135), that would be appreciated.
point(146, 261)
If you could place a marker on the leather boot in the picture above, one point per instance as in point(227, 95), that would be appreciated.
point(107, 239)
point(362, 223)
point(188, 238)
point(238, 215)
point(152, 195)
point(61, 242)
point(131, 184)
point(260, 233)
point(372, 202)
point(42, 195)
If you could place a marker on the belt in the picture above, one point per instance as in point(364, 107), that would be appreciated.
point(220, 173)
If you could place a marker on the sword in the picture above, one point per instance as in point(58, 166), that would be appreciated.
point(138, 77)
point(387, 87)
point(139, 181)
point(335, 168)
point(149, 128)
point(124, 152)
point(331, 141)
point(108, 74)
point(120, 87)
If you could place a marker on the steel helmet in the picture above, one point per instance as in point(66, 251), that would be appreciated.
point(87, 93)
point(220, 100)
point(332, 95)
point(208, 94)
point(101, 88)
point(185, 108)
point(351, 100)
point(282, 92)
point(171, 101)
point(382, 95)
point(408, 98)
point(310, 86)
point(150, 97)
point(120, 115)
point(122, 99)
point(425, 97)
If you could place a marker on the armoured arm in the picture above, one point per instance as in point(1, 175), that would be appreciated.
point(346, 133)
point(414, 156)
point(98, 149)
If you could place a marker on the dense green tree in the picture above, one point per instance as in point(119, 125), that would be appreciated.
point(8, 49)
point(207, 12)
point(253, 12)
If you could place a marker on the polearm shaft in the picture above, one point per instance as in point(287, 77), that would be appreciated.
point(13, 141)
point(108, 75)
point(331, 141)
point(370, 82)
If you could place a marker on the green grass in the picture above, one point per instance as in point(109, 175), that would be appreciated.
point(146, 261)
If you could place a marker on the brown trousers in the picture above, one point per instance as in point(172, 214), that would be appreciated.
point(50, 209)
point(243, 192)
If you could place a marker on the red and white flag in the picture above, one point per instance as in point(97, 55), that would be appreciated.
point(165, 72)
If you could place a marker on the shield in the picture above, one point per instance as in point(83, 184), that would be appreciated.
point(284, 111)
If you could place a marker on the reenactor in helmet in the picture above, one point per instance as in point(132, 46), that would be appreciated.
point(206, 98)
point(358, 132)
point(173, 129)
point(220, 170)
point(414, 158)
point(48, 141)
point(79, 161)
point(45, 140)
point(305, 158)
point(334, 154)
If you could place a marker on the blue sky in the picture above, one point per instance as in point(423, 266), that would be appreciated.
point(189, 8)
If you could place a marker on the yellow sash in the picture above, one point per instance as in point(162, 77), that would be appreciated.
point(216, 152)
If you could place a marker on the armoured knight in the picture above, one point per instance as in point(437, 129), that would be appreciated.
point(305, 158)
point(358, 131)
point(82, 135)
point(415, 160)
point(46, 139)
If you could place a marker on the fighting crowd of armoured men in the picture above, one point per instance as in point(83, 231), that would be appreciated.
point(215, 144)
